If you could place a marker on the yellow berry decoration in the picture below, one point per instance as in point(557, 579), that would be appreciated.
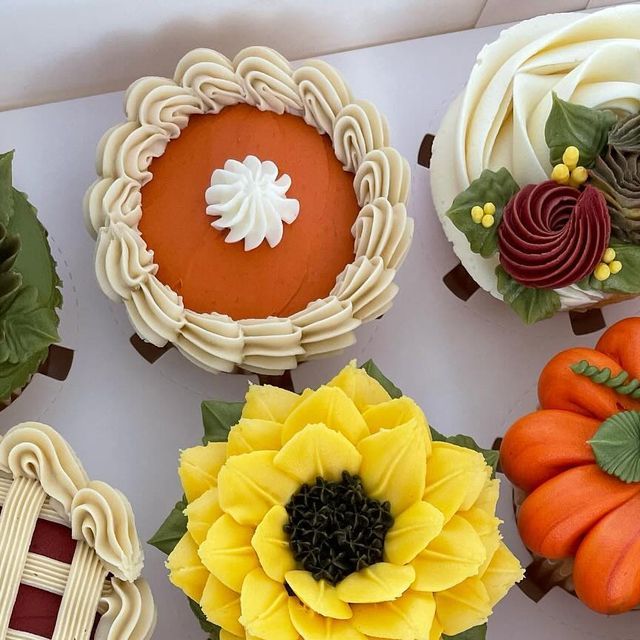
point(477, 214)
point(488, 221)
point(609, 255)
point(615, 266)
point(602, 272)
point(570, 157)
point(489, 208)
point(578, 176)
point(561, 174)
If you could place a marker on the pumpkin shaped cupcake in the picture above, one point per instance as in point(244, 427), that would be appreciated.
point(337, 513)
point(577, 461)
point(249, 214)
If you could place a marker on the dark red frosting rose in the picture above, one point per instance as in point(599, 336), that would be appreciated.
point(553, 235)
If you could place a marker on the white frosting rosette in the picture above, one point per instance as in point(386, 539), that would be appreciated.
point(499, 119)
point(41, 478)
point(205, 82)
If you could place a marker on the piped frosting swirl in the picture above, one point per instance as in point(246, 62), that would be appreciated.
point(552, 235)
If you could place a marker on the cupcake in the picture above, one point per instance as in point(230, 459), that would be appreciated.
point(251, 215)
point(336, 513)
point(576, 462)
point(535, 171)
point(29, 289)
point(70, 557)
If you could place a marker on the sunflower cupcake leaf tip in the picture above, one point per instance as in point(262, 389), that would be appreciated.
point(475, 633)
point(218, 417)
point(372, 370)
point(171, 530)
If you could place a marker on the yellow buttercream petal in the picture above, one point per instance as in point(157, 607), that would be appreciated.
point(453, 556)
point(318, 451)
point(436, 630)
point(250, 484)
point(394, 465)
point(312, 626)
point(331, 407)
point(221, 606)
point(360, 387)
point(202, 513)
point(409, 617)
point(488, 498)
point(455, 478)
point(395, 412)
point(265, 611)
point(266, 402)
point(186, 571)
point(501, 574)
point(225, 635)
point(318, 594)
point(412, 531)
point(227, 552)
point(462, 607)
point(199, 467)
point(251, 434)
point(486, 527)
point(271, 544)
point(381, 582)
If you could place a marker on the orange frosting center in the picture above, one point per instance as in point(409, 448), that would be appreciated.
point(193, 257)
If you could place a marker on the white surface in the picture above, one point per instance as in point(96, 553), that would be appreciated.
point(472, 366)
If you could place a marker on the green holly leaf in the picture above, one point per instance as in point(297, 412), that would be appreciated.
point(372, 369)
point(616, 446)
point(625, 281)
point(26, 327)
point(218, 417)
point(492, 186)
point(210, 628)
point(476, 633)
point(172, 529)
point(571, 124)
point(6, 190)
point(530, 304)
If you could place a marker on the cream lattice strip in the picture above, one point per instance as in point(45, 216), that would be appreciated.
point(45, 573)
point(47, 513)
point(22, 635)
point(80, 600)
point(17, 522)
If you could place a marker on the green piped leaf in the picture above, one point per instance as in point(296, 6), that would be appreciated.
point(492, 186)
point(208, 627)
point(218, 417)
point(372, 369)
point(172, 529)
point(530, 304)
point(476, 633)
point(625, 281)
point(616, 446)
point(575, 125)
point(6, 189)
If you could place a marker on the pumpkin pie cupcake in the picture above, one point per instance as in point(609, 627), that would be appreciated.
point(336, 513)
point(29, 289)
point(250, 214)
point(576, 461)
point(70, 557)
point(535, 171)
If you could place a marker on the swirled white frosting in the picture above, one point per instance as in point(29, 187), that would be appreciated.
point(249, 199)
point(205, 81)
point(499, 119)
point(39, 469)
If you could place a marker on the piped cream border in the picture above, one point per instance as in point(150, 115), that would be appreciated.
point(157, 110)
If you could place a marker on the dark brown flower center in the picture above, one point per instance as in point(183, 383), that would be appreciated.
point(335, 529)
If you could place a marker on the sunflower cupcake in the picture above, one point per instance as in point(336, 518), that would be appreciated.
point(336, 513)
point(29, 289)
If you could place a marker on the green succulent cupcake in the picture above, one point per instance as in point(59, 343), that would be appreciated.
point(29, 288)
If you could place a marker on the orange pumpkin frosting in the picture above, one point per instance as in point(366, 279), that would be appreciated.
point(193, 257)
point(573, 507)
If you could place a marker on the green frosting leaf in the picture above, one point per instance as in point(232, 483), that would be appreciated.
point(625, 281)
point(476, 633)
point(210, 628)
point(6, 189)
point(14, 377)
point(218, 417)
point(492, 186)
point(530, 304)
point(616, 446)
point(172, 529)
point(372, 369)
point(10, 280)
point(571, 124)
